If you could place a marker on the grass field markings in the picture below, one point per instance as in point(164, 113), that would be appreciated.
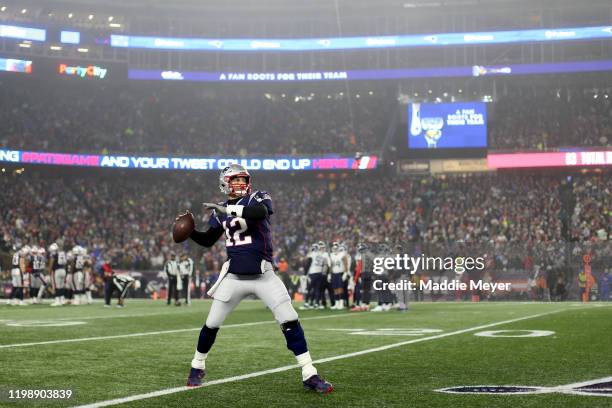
point(168, 391)
point(601, 389)
point(119, 336)
point(97, 317)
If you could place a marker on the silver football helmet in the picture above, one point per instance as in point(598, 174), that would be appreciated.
point(230, 172)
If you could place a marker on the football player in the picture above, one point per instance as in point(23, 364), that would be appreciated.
point(339, 269)
point(39, 280)
point(385, 296)
point(363, 278)
point(317, 270)
point(57, 272)
point(88, 277)
point(78, 277)
point(17, 277)
point(309, 301)
point(326, 283)
point(244, 219)
point(69, 283)
point(347, 281)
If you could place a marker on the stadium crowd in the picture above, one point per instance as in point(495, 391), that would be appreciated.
point(547, 118)
point(510, 217)
point(111, 118)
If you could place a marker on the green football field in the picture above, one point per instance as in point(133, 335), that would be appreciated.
point(139, 356)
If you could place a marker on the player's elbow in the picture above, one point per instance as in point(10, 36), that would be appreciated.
point(255, 212)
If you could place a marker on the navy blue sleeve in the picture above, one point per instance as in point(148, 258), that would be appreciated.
point(264, 198)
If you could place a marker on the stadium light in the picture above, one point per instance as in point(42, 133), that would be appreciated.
point(25, 45)
point(91, 16)
point(115, 25)
point(55, 48)
point(110, 18)
point(70, 15)
point(3, 8)
point(83, 49)
point(23, 11)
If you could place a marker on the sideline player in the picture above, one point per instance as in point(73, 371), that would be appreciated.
point(339, 269)
point(57, 272)
point(245, 220)
point(17, 277)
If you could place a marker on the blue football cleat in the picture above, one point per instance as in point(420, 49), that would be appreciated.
point(195, 377)
point(318, 384)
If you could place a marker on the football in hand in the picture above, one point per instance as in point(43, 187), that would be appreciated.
point(183, 227)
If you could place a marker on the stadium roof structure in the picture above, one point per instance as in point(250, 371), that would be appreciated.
point(282, 7)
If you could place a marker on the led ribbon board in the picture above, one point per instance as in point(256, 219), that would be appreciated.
point(351, 43)
point(377, 74)
point(553, 159)
point(189, 163)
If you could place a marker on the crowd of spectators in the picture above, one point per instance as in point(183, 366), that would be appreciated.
point(548, 118)
point(515, 219)
point(109, 118)
point(135, 118)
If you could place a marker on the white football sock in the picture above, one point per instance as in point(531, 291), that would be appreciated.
point(304, 361)
point(199, 360)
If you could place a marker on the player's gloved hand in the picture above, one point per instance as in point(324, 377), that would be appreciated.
point(346, 276)
point(219, 209)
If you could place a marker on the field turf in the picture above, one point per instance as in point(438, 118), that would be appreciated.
point(373, 359)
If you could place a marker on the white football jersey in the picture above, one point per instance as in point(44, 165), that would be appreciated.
point(79, 262)
point(320, 262)
point(39, 263)
point(15, 263)
point(337, 262)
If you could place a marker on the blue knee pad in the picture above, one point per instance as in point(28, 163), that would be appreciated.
point(206, 339)
point(296, 342)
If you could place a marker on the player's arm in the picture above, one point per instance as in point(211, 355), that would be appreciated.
point(257, 211)
point(307, 264)
point(208, 237)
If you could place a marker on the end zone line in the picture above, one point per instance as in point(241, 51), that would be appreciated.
point(168, 391)
point(121, 336)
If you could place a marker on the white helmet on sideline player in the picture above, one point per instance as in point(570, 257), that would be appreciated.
point(53, 248)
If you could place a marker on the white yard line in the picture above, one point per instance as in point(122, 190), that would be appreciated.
point(120, 336)
point(167, 391)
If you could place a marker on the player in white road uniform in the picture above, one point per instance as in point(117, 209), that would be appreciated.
point(57, 272)
point(339, 269)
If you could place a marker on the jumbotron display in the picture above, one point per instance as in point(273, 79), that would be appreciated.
point(447, 125)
